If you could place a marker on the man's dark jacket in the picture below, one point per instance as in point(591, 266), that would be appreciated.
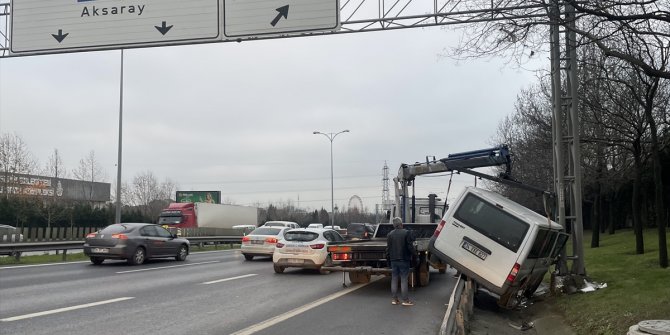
point(399, 245)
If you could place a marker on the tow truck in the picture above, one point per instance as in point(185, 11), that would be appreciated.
point(362, 259)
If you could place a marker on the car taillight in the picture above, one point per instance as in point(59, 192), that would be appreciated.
point(512, 274)
point(439, 228)
point(246, 239)
point(341, 257)
point(91, 235)
point(317, 246)
point(271, 240)
point(120, 236)
point(279, 245)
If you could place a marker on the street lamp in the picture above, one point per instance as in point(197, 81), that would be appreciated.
point(331, 137)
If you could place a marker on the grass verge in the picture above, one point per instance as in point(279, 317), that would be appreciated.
point(76, 256)
point(637, 288)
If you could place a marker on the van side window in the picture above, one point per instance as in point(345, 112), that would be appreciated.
point(560, 243)
point(492, 222)
point(544, 241)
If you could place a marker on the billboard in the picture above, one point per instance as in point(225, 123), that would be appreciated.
point(212, 197)
point(56, 188)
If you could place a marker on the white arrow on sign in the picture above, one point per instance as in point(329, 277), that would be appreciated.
point(243, 18)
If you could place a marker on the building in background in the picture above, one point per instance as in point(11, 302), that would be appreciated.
point(16, 184)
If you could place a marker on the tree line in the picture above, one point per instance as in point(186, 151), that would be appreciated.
point(143, 197)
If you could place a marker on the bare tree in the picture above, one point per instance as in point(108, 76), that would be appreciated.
point(14, 158)
point(55, 167)
point(52, 208)
point(528, 133)
point(89, 169)
point(148, 194)
point(519, 29)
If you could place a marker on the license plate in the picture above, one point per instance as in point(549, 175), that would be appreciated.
point(474, 250)
point(256, 241)
point(100, 250)
point(295, 261)
point(295, 251)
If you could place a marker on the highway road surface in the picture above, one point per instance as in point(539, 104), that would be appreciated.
point(215, 292)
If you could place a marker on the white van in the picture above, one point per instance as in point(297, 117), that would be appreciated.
point(503, 246)
point(289, 224)
point(315, 225)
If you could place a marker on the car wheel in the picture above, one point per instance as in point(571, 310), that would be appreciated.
point(327, 262)
point(138, 256)
point(248, 257)
point(182, 253)
point(278, 269)
point(97, 260)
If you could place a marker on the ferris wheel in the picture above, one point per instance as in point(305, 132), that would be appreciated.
point(355, 202)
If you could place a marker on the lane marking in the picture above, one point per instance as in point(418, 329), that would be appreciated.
point(167, 267)
point(64, 309)
point(79, 262)
point(212, 251)
point(227, 279)
point(282, 317)
point(37, 265)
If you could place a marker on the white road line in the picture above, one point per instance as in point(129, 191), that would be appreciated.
point(227, 279)
point(279, 318)
point(213, 251)
point(37, 265)
point(167, 267)
point(65, 309)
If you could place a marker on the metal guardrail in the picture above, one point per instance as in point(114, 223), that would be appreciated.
point(15, 249)
point(448, 326)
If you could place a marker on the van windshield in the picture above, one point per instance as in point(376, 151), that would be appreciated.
point(492, 222)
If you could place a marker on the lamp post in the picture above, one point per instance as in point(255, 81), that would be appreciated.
point(331, 137)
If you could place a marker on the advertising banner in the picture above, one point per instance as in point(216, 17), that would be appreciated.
point(212, 197)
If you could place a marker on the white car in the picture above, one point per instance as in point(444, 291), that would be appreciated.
point(289, 224)
point(261, 241)
point(304, 248)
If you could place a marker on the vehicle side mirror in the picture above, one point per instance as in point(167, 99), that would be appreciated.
point(174, 235)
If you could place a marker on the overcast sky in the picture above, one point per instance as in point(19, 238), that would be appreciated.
point(238, 117)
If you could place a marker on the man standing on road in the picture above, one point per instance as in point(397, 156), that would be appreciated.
point(399, 249)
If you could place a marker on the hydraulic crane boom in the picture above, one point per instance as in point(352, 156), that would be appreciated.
point(460, 162)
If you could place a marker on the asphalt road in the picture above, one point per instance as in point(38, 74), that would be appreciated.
point(210, 293)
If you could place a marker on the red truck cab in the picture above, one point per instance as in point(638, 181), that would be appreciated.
point(179, 215)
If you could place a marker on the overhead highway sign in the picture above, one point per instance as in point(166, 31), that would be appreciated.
point(51, 26)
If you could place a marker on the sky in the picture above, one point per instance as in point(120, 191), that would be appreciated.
point(239, 117)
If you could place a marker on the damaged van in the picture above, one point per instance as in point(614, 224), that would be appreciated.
point(503, 246)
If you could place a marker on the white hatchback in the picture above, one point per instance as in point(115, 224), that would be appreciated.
point(261, 241)
point(304, 248)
